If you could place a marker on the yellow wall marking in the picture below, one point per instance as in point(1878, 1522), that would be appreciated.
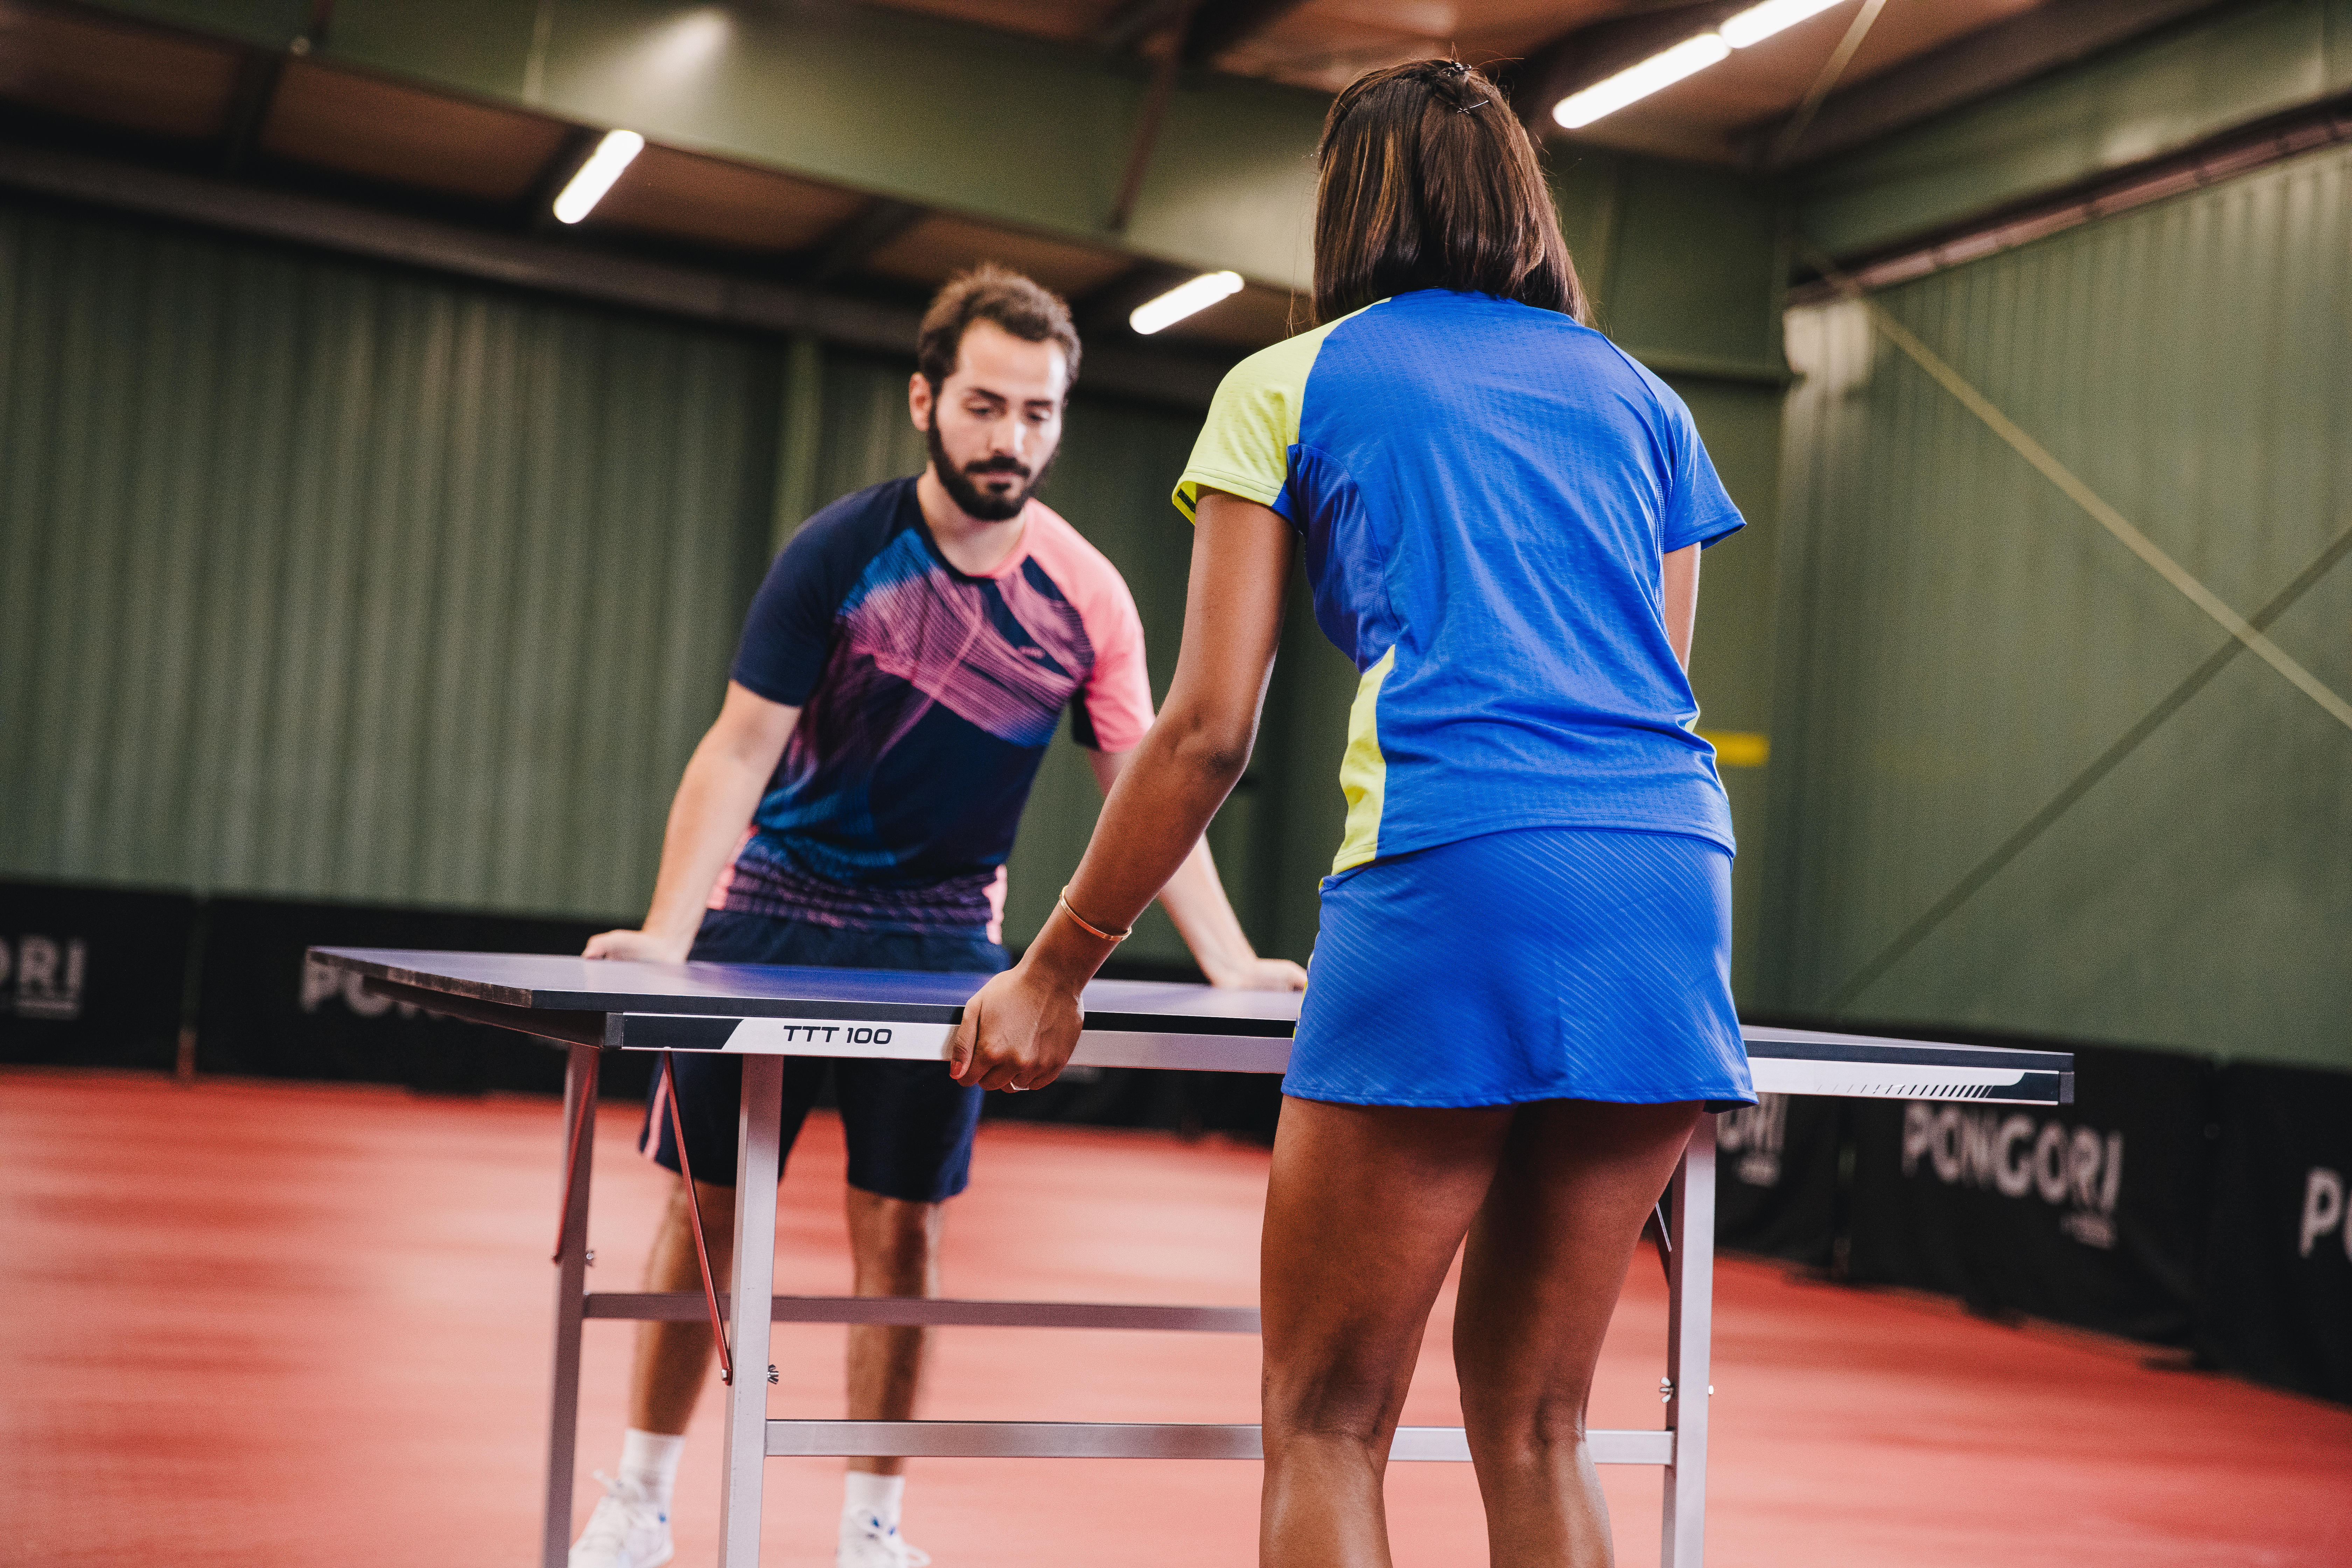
point(1738, 748)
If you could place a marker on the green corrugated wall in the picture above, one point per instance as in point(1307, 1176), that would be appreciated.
point(328, 580)
point(322, 578)
point(1684, 267)
point(331, 580)
point(1959, 640)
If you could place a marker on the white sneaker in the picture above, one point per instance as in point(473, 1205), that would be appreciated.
point(866, 1543)
point(628, 1529)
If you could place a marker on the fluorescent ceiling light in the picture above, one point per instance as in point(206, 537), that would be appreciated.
point(1183, 300)
point(596, 176)
point(1759, 22)
point(1690, 56)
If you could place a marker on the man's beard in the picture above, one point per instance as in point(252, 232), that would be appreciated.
point(975, 501)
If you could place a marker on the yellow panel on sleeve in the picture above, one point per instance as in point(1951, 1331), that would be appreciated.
point(1244, 444)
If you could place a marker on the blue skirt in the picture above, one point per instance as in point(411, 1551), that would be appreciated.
point(1546, 963)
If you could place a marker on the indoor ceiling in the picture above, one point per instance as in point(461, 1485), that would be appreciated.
point(198, 103)
point(1325, 44)
point(88, 76)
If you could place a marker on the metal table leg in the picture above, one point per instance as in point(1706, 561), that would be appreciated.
point(750, 1294)
point(570, 1300)
point(1690, 1320)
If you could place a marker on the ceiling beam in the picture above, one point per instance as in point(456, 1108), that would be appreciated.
point(1002, 129)
point(266, 24)
point(1972, 66)
point(1184, 379)
point(1132, 21)
point(258, 72)
point(2228, 156)
point(1211, 26)
point(1195, 32)
point(866, 231)
point(1220, 24)
point(1146, 135)
point(1006, 130)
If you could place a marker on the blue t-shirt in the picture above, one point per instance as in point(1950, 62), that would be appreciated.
point(1486, 492)
point(927, 698)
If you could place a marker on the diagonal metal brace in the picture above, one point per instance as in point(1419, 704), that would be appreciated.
point(581, 1118)
point(694, 1212)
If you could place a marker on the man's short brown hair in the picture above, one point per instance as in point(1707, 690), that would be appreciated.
point(991, 293)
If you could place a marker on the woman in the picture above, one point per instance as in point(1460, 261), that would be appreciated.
point(1519, 999)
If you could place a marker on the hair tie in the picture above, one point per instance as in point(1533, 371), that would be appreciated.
point(1439, 74)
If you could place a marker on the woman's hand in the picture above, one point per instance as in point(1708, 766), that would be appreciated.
point(1017, 1033)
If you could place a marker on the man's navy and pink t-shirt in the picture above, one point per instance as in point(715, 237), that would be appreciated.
point(927, 699)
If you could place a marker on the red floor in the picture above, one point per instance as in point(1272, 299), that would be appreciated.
point(264, 1324)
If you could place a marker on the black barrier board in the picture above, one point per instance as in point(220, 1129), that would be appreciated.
point(266, 1011)
point(2091, 1213)
point(1244, 1105)
point(1776, 1177)
point(92, 976)
point(1238, 1105)
point(2278, 1277)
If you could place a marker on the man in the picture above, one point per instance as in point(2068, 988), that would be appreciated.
point(900, 673)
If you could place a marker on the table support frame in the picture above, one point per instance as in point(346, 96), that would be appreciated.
point(751, 1438)
point(1690, 1328)
point(783, 1012)
point(757, 1170)
point(570, 1300)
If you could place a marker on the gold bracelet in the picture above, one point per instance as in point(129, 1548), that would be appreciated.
point(1088, 926)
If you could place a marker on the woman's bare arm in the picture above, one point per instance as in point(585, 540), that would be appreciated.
point(1019, 1029)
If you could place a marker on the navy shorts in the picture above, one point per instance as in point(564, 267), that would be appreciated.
point(908, 1124)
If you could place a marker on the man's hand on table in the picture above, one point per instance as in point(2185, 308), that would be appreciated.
point(647, 946)
point(1261, 974)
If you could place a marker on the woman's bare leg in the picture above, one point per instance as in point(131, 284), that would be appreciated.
point(1364, 1208)
point(1547, 1255)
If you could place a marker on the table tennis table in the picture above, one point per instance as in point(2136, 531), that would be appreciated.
point(764, 1013)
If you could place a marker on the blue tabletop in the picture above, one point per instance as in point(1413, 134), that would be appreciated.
point(572, 983)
